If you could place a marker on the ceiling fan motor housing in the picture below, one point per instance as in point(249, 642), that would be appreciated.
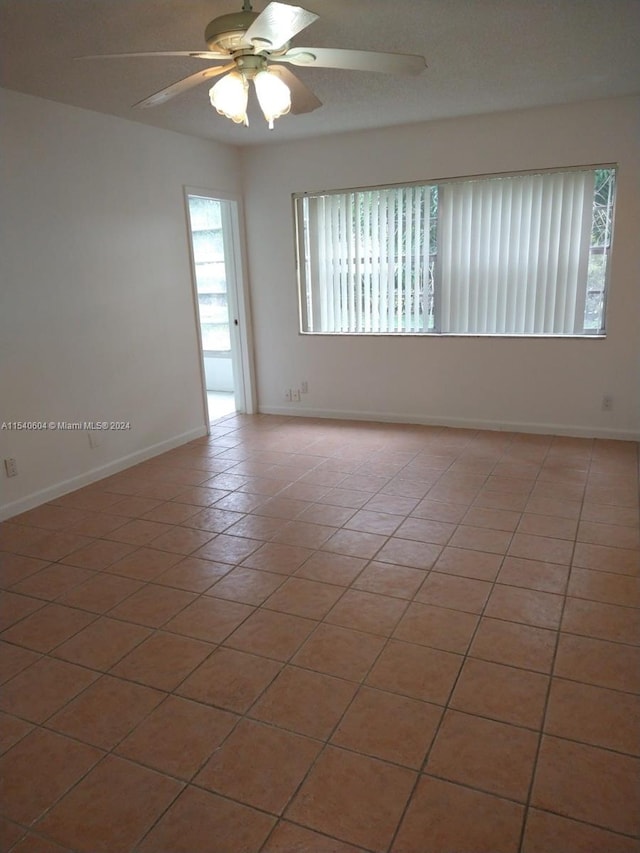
point(227, 32)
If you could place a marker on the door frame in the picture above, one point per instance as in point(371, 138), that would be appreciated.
point(238, 295)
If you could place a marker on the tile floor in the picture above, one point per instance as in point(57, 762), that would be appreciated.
point(302, 635)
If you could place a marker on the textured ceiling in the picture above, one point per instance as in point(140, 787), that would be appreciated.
point(483, 56)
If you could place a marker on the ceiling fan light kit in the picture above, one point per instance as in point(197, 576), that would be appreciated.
point(248, 42)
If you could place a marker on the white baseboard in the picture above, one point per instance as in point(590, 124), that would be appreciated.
point(88, 477)
point(463, 423)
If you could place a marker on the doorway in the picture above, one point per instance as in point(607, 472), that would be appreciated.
point(216, 264)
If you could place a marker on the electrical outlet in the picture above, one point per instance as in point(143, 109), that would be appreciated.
point(607, 403)
point(295, 395)
point(11, 467)
point(304, 387)
point(288, 395)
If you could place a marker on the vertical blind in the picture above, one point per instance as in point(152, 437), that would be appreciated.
point(367, 259)
point(514, 254)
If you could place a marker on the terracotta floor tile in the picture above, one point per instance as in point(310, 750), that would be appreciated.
point(106, 712)
point(501, 692)
point(259, 765)
point(495, 519)
point(303, 534)
point(52, 582)
point(533, 574)
point(544, 548)
point(271, 634)
point(100, 593)
point(39, 770)
point(287, 837)
point(55, 546)
point(403, 552)
point(111, 808)
point(321, 513)
point(386, 579)
point(331, 568)
point(607, 514)
point(370, 521)
point(387, 726)
point(551, 506)
point(102, 643)
point(470, 564)
point(275, 557)
point(454, 592)
point(606, 621)
point(365, 814)
point(153, 605)
point(498, 498)
point(554, 526)
point(247, 586)
point(213, 520)
point(9, 833)
point(601, 586)
point(163, 660)
point(440, 511)
point(603, 558)
point(46, 628)
point(197, 817)
point(43, 688)
point(339, 651)
point(172, 512)
point(138, 532)
point(144, 564)
point(481, 539)
point(182, 540)
point(450, 630)
point(425, 530)
point(542, 609)
point(134, 507)
point(12, 730)
point(302, 597)
point(230, 679)
point(354, 543)
point(15, 607)
point(14, 568)
point(13, 659)
point(547, 832)
point(305, 702)
point(98, 524)
point(415, 671)
point(587, 783)
point(392, 503)
point(598, 662)
point(193, 574)
point(444, 816)
point(209, 619)
point(366, 611)
point(178, 737)
point(494, 757)
point(256, 527)
point(594, 715)
point(278, 507)
point(615, 535)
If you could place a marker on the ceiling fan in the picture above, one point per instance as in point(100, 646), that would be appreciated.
point(252, 45)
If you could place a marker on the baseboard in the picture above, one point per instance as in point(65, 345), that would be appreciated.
point(95, 474)
point(462, 423)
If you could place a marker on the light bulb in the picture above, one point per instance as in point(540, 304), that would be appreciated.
point(229, 96)
point(273, 94)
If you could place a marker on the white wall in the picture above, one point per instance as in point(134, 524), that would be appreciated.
point(96, 310)
point(522, 384)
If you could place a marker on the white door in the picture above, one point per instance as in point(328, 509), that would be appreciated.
point(214, 231)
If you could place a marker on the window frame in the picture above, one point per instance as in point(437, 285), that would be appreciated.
point(301, 256)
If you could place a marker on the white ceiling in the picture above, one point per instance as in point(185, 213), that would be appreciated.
point(483, 56)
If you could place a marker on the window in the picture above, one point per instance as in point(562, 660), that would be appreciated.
point(507, 255)
point(211, 279)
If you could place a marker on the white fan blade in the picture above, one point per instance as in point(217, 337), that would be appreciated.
point(355, 60)
point(302, 98)
point(277, 24)
point(182, 86)
point(195, 54)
